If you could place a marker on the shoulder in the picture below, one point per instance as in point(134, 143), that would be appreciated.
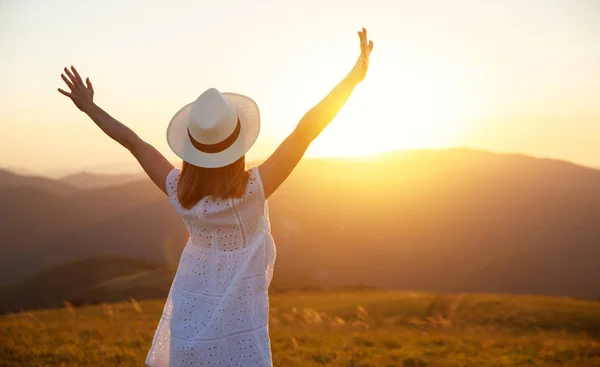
point(171, 181)
point(255, 184)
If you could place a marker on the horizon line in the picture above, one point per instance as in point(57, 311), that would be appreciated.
point(134, 169)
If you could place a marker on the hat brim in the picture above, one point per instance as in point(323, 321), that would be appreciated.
point(180, 144)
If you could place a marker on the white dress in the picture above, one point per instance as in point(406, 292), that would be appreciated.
point(217, 310)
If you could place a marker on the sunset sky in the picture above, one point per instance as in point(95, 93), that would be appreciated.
point(506, 76)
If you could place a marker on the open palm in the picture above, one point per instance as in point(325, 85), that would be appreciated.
point(81, 95)
point(362, 64)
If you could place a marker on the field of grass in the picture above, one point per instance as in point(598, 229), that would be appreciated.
point(351, 328)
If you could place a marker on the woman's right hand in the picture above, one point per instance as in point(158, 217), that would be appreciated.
point(81, 95)
point(359, 71)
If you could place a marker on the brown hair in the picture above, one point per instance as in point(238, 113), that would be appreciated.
point(220, 183)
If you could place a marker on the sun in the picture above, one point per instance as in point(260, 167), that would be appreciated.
point(402, 104)
point(391, 110)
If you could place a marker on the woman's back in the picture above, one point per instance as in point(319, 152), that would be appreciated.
point(217, 307)
point(217, 310)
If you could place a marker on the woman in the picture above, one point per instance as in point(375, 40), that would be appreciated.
point(216, 313)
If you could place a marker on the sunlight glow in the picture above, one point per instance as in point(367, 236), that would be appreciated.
point(502, 76)
point(412, 107)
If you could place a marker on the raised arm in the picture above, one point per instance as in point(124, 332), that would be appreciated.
point(285, 158)
point(154, 164)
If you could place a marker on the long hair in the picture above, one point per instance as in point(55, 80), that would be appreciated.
point(219, 183)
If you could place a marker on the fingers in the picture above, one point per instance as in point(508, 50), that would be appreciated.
point(89, 85)
point(71, 76)
point(365, 46)
point(77, 77)
point(65, 93)
point(363, 49)
point(69, 84)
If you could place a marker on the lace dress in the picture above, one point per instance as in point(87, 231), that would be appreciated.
point(217, 310)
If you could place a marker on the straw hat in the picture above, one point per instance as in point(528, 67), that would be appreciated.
point(215, 130)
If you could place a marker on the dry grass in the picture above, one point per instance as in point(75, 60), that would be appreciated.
point(374, 328)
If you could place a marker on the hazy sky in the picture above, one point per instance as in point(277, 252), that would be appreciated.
point(507, 76)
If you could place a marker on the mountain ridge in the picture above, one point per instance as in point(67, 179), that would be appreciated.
point(444, 220)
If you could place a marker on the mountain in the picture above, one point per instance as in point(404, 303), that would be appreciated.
point(454, 220)
point(450, 220)
point(40, 229)
point(10, 180)
point(88, 180)
point(108, 279)
point(53, 286)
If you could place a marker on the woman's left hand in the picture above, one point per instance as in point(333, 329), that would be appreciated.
point(362, 64)
point(81, 95)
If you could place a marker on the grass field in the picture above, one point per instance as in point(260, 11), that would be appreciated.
point(353, 328)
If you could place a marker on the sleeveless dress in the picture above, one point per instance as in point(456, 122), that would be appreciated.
point(217, 310)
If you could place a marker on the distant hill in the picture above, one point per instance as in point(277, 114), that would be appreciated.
point(109, 279)
point(51, 287)
point(87, 180)
point(449, 220)
point(40, 230)
point(10, 180)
